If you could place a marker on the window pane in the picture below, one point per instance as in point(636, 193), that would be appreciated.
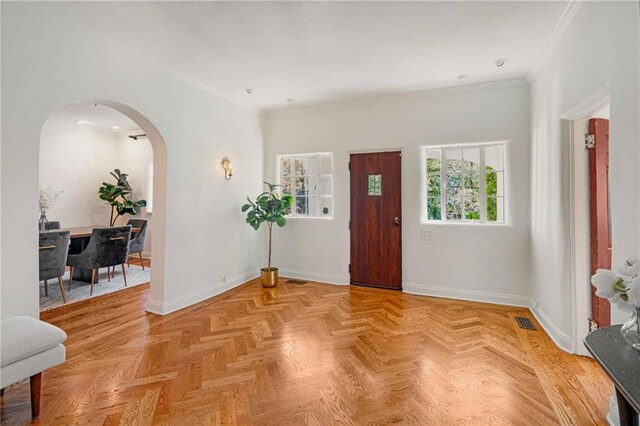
point(324, 186)
point(500, 209)
point(302, 186)
point(300, 167)
point(285, 166)
point(302, 205)
point(471, 209)
point(454, 160)
point(325, 165)
point(433, 161)
point(471, 184)
point(433, 185)
point(286, 185)
point(493, 158)
point(313, 206)
point(471, 157)
point(311, 166)
point(454, 185)
point(495, 209)
point(495, 183)
point(433, 208)
point(374, 185)
point(313, 185)
point(454, 209)
point(324, 206)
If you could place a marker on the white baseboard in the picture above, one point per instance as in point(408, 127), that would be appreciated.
point(314, 276)
point(562, 340)
point(463, 294)
point(187, 300)
point(145, 255)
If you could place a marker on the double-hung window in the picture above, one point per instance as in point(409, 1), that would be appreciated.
point(309, 179)
point(465, 183)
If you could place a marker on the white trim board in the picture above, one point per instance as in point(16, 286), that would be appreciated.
point(554, 38)
point(187, 300)
point(441, 91)
point(468, 295)
point(561, 340)
point(314, 276)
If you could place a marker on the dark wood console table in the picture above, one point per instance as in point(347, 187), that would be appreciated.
point(622, 363)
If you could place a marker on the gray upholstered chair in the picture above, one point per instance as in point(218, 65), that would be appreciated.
point(107, 247)
point(136, 245)
point(53, 249)
point(54, 224)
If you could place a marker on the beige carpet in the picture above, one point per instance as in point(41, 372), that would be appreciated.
point(80, 290)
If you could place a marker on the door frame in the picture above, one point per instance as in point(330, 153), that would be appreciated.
point(402, 198)
point(574, 121)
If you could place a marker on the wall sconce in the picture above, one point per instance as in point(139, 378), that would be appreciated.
point(226, 165)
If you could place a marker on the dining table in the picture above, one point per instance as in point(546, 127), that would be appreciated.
point(80, 237)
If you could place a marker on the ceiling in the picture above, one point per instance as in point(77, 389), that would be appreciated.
point(319, 52)
point(97, 117)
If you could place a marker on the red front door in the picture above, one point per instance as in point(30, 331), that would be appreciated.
point(376, 214)
point(599, 214)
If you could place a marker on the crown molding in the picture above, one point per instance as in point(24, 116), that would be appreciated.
point(444, 91)
point(558, 31)
point(141, 59)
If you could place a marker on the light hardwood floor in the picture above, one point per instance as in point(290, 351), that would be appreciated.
point(309, 354)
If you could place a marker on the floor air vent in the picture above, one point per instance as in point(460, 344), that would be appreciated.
point(525, 323)
point(298, 282)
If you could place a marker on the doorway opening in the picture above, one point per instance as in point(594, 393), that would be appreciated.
point(589, 212)
point(102, 165)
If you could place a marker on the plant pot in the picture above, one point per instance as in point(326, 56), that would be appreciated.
point(269, 277)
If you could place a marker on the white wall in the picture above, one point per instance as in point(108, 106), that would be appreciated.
point(482, 262)
point(78, 158)
point(47, 65)
point(600, 47)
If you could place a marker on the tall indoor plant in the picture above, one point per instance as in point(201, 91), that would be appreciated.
point(117, 196)
point(269, 207)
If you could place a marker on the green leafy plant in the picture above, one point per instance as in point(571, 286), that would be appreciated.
point(116, 195)
point(269, 207)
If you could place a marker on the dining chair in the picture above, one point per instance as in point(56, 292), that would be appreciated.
point(52, 249)
point(107, 247)
point(52, 224)
point(136, 245)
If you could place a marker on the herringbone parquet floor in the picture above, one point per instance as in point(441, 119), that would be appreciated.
point(312, 354)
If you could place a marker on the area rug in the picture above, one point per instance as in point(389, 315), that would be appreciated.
point(80, 290)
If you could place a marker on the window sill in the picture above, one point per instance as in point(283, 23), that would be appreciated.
point(480, 224)
point(310, 217)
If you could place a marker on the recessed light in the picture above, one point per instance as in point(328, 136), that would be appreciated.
point(114, 127)
point(248, 90)
point(463, 76)
point(500, 62)
point(289, 100)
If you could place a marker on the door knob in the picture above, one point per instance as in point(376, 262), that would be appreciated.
point(396, 221)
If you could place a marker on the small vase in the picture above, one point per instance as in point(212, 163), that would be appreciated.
point(631, 330)
point(43, 222)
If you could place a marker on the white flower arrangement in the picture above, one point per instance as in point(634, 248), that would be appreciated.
point(47, 199)
point(622, 288)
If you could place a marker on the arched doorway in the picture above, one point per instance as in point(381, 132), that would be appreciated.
point(144, 132)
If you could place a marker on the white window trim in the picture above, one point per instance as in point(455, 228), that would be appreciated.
point(330, 175)
point(443, 184)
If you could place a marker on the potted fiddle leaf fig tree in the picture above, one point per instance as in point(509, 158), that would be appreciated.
point(117, 196)
point(269, 207)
